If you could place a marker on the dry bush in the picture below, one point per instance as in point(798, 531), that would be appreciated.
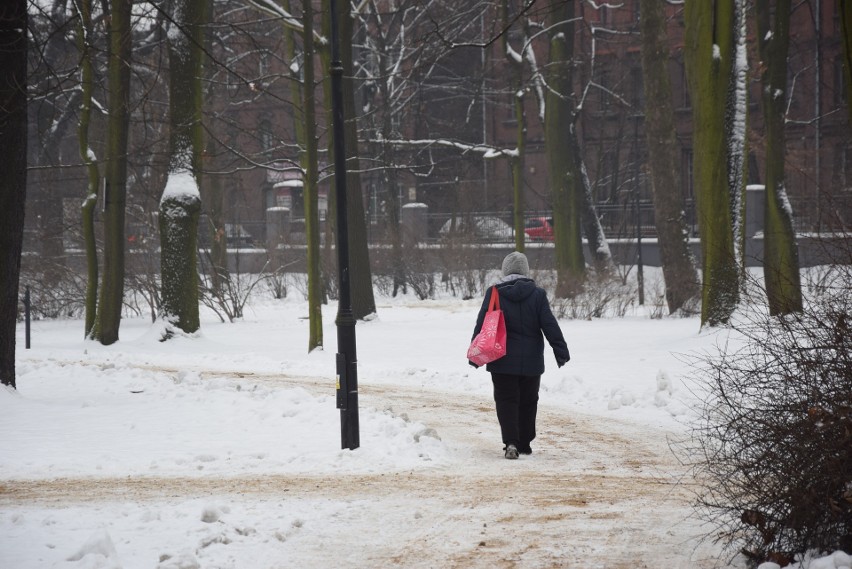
point(773, 447)
point(603, 296)
point(228, 295)
point(412, 271)
point(458, 273)
point(59, 296)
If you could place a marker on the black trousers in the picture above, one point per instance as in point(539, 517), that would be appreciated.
point(516, 397)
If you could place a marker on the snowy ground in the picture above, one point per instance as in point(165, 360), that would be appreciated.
point(223, 451)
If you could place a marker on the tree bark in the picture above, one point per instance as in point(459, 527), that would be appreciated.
point(845, 8)
point(179, 213)
point(311, 189)
point(709, 51)
point(84, 30)
point(180, 206)
point(212, 191)
point(679, 270)
point(388, 153)
point(592, 228)
point(559, 127)
point(780, 255)
point(52, 124)
point(13, 182)
point(515, 64)
point(111, 296)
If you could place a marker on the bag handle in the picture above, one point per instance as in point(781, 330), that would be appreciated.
point(495, 299)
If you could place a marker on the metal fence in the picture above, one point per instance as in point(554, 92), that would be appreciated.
point(619, 221)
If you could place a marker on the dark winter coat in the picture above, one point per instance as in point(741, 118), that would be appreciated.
point(527, 314)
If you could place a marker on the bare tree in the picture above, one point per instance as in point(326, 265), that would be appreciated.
point(679, 271)
point(87, 155)
point(111, 295)
point(560, 123)
point(846, 25)
point(180, 205)
point(515, 61)
point(13, 183)
point(310, 168)
point(715, 66)
point(781, 258)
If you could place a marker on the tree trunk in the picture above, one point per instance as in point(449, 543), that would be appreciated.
point(679, 270)
point(709, 51)
point(309, 165)
point(118, 70)
point(84, 30)
point(845, 8)
point(592, 228)
point(213, 201)
point(212, 192)
point(515, 64)
point(52, 125)
point(180, 206)
point(558, 129)
point(780, 256)
point(179, 212)
point(388, 153)
point(13, 182)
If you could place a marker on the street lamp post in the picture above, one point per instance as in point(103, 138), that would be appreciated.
point(347, 362)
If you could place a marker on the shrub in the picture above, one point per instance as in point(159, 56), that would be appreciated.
point(773, 447)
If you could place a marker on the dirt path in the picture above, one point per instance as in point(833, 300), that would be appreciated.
point(595, 493)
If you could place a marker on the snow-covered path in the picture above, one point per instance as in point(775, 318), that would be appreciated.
point(595, 493)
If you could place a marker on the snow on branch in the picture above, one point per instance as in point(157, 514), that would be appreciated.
point(598, 6)
point(537, 80)
point(486, 151)
point(273, 8)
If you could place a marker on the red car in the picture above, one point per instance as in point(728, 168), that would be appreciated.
point(539, 228)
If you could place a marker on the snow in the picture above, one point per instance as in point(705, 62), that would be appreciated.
point(181, 185)
point(837, 560)
point(223, 450)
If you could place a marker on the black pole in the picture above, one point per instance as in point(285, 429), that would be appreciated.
point(27, 317)
point(347, 362)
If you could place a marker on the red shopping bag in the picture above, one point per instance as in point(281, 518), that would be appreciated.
point(490, 343)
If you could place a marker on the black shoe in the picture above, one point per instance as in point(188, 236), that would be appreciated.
point(511, 452)
point(524, 449)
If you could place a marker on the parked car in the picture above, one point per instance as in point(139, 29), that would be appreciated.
point(539, 228)
point(478, 227)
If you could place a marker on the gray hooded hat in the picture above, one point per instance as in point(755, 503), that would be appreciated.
point(516, 264)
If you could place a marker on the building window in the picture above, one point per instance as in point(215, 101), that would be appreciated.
point(603, 94)
point(845, 153)
point(265, 132)
point(637, 87)
point(605, 15)
point(686, 173)
point(686, 102)
point(840, 94)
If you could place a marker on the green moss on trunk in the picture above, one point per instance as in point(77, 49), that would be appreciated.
point(781, 258)
point(564, 178)
point(709, 56)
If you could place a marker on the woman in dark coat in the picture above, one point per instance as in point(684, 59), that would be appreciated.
point(517, 375)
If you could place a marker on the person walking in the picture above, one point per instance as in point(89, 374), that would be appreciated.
point(517, 375)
